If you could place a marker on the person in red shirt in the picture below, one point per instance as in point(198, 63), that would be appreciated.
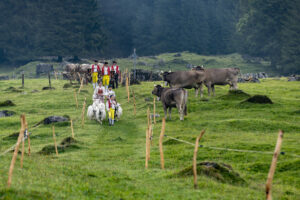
point(116, 71)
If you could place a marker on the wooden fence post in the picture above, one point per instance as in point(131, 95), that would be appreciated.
point(28, 137)
point(23, 79)
point(195, 158)
point(129, 76)
point(23, 142)
point(54, 138)
point(13, 160)
point(134, 104)
point(273, 166)
point(75, 96)
point(83, 112)
point(49, 79)
point(72, 129)
point(55, 75)
point(154, 107)
point(121, 78)
point(81, 85)
point(127, 88)
point(161, 137)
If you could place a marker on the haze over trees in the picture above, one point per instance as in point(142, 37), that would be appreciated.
point(96, 28)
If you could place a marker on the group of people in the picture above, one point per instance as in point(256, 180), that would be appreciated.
point(103, 89)
point(109, 75)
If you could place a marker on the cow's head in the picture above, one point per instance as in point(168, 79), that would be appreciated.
point(157, 90)
point(198, 68)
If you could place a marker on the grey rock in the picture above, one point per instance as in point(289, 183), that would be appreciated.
point(53, 119)
point(6, 113)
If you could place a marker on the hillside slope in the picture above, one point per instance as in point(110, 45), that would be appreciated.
point(108, 162)
point(169, 61)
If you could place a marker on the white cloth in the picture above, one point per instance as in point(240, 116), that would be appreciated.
point(105, 70)
point(96, 95)
point(113, 104)
point(111, 93)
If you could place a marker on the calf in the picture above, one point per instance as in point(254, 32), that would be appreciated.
point(172, 97)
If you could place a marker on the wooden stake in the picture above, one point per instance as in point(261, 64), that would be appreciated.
point(55, 74)
point(273, 166)
point(129, 78)
point(49, 77)
point(148, 116)
point(81, 85)
point(28, 137)
point(75, 96)
point(121, 78)
point(195, 158)
point(83, 111)
point(146, 157)
point(23, 145)
point(54, 138)
point(134, 105)
point(154, 106)
point(23, 79)
point(127, 88)
point(161, 137)
point(13, 160)
point(72, 129)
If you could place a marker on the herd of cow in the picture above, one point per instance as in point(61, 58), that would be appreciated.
point(176, 95)
point(78, 71)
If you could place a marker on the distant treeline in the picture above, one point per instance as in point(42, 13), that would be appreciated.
point(96, 28)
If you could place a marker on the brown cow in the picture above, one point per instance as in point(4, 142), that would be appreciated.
point(219, 76)
point(184, 79)
point(172, 97)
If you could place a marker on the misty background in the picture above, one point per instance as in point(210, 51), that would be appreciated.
point(268, 29)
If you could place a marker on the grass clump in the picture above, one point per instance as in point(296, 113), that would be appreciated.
point(218, 171)
point(7, 103)
point(66, 145)
point(12, 89)
point(262, 99)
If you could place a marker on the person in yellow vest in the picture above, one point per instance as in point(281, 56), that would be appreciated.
point(95, 70)
point(105, 72)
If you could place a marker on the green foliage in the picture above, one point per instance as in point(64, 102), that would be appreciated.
point(41, 28)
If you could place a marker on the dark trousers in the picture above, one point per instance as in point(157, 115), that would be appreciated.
point(116, 80)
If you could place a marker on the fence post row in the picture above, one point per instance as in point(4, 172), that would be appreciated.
point(13, 160)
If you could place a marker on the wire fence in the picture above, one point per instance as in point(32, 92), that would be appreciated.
point(235, 150)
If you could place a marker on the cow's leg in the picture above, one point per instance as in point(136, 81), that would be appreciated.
point(213, 89)
point(201, 90)
point(196, 92)
point(185, 110)
point(180, 110)
point(170, 111)
point(208, 89)
point(165, 110)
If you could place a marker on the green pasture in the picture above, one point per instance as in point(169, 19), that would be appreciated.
point(109, 162)
point(164, 62)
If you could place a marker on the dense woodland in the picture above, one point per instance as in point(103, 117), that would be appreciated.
point(269, 29)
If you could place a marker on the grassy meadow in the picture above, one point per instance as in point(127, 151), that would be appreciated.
point(109, 162)
point(164, 62)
